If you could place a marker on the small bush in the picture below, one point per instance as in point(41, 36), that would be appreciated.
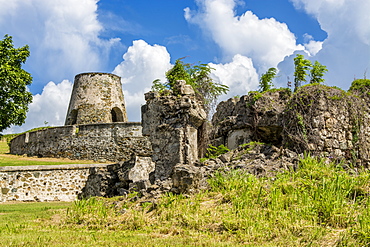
point(213, 152)
point(360, 85)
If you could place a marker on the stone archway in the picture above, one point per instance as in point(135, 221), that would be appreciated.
point(117, 115)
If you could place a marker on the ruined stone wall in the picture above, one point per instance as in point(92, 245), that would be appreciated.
point(45, 183)
point(100, 142)
point(250, 118)
point(317, 119)
point(328, 121)
point(173, 121)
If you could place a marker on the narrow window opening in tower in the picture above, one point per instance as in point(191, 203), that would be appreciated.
point(117, 115)
point(74, 114)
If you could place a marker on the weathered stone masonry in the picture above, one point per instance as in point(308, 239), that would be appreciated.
point(96, 98)
point(324, 121)
point(111, 142)
point(173, 124)
point(317, 119)
point(96, 129)
point(45, 183)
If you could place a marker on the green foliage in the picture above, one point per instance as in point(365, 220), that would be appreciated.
point(198, 76)
point(302, 125)
point(318, 194)
point(266, 79)
point(304, 67)
point(180, 71)
point(93, 211)
point(317, 72)
point(362, 85)
point(255, 96)
point(301, 66)
point(213, 152)
point(14, 97)
point(158, 86)
point(247, 148)
point(304, 207)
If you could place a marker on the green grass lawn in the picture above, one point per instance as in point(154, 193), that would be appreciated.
point(319, 204)
point(4, 148)
point(7, 159)
point(43, 224)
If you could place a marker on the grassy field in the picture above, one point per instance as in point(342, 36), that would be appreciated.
point(319, 204)
point(7, 159)
point(46, 224)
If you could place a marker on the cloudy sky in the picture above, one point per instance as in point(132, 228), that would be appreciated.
point(140, 40)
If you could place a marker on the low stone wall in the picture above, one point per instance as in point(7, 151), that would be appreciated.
point(100, 142)
point(45, 183)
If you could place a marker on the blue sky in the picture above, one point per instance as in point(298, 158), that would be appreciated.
point(162, 22)
point(140, 39)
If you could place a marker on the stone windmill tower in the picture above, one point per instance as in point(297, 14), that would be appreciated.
point(96, 98)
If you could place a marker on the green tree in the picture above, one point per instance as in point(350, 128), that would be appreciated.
point(14, 97)
point(180, 71)
point(317, 72)
point(198, 76)
point(301, 67)
point(304, 67)
point(266, 80)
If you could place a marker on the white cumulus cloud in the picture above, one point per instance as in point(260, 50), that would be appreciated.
point(141, 65)
point(48, 108)
point(239, 75)
point(346, 51)
point(63, 35)
point(266, 41)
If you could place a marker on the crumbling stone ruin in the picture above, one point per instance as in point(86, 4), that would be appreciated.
point(173, 124)
point(266, 132)
point(317, 119)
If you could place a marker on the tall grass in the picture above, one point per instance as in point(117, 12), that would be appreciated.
point(298, 206)
point(319, 204)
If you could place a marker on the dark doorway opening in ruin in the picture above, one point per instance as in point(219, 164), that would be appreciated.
point(270, 134)
point(117, 115)
point(203, 140)
point(73, 118)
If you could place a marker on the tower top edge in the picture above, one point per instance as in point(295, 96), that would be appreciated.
point(96, 73)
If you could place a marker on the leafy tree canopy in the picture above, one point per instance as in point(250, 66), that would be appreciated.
point(198, 76)
point(14, 97)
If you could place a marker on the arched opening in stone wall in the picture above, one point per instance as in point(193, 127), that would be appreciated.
point(117, 115)
point(73, 118)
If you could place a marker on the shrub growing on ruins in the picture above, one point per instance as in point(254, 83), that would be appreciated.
point(14, 97)
point(303, 67)
point(266, 80)
point(361, 85)
point(198, 76)
point(317, 72)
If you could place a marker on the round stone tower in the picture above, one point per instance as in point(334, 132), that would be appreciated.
point(96, 98)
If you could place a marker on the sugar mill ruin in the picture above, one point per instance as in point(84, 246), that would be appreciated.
point(266, 132)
